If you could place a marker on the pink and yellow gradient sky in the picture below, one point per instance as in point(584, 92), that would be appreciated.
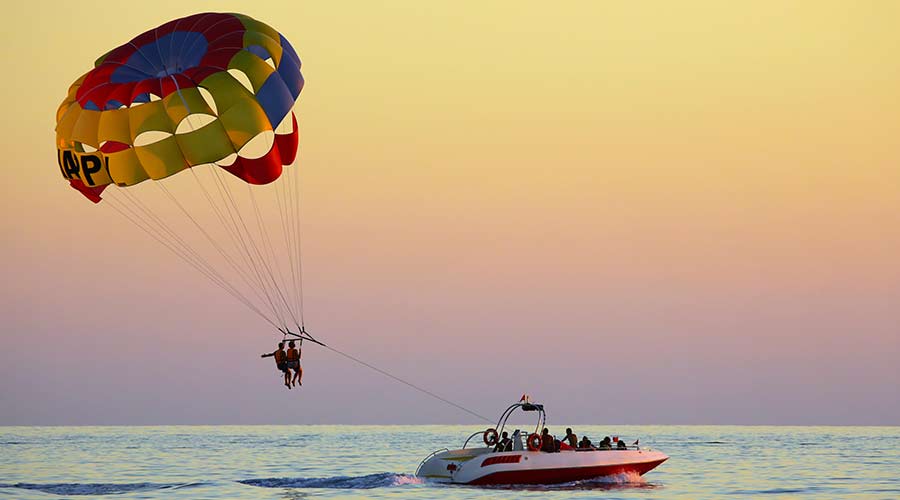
point(638, 212)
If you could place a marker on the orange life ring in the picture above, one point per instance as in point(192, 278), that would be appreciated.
point(490, 437)
point(535, 441)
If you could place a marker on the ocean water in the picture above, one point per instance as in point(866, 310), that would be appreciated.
point(294, 462)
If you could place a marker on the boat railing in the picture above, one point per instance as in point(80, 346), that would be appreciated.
point(478, 433)
point(501, 423)
point(433, 453)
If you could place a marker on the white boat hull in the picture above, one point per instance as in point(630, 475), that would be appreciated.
point(481, 466)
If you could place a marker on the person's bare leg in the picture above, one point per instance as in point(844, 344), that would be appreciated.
point(287, 379)
point(299, 375)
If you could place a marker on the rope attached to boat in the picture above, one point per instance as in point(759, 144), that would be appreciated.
point(409, 384)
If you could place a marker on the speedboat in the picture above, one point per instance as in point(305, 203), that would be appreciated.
point(525, 463)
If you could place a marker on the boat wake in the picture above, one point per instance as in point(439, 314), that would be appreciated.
point(370, 481)
point(625, 480)
point(389, 480)
point(382, 480)
point(93, 489)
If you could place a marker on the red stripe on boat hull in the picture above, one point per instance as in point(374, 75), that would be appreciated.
point(554, 476)
point(504, 459)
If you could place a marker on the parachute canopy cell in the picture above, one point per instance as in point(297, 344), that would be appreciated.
point(210, 88)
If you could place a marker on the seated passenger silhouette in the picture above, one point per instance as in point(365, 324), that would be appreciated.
point(606, 444)
point(585, 444)
point(547, 441)
point(505, 444)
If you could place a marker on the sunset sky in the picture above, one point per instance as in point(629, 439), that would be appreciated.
point(637, 212)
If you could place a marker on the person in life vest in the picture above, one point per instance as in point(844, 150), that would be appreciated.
point(293, 363)
point(281, 363)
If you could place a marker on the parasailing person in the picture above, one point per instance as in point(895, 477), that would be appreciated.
point(293, 363)
point(281, 362)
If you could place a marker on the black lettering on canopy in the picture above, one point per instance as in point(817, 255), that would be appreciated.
point(70, 164)
point(90, 164)
point(59, 156)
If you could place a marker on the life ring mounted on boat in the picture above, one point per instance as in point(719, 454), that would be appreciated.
point(534, 442)
point(490, 437)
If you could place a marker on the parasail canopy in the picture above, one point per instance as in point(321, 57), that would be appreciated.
point(205, 89)
point(203, 94)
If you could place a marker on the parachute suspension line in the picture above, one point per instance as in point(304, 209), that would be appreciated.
point(246, 279)
point(286, 224)
point(297, 197)
point(267, 244)
point(176, 242)
point(235, 238)
point(179, 242)
point(289, 238)
point(149, 230)
point(282, 200)
point(257, 257)
point(262, 260)
point(232, 210)
point(164, 231)
point(404, 382)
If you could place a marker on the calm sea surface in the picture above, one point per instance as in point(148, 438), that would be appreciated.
point(293, 462)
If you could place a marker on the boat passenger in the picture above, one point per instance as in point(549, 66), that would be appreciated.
point(585, 444)
point(606, 444)
point(621, 445)
point(293, 363)
point(281, 363)
point(505, 444)
point(547, 441)
point(571, 438)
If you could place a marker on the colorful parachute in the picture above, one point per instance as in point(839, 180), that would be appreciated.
point(215, 91)
point(208, 88)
